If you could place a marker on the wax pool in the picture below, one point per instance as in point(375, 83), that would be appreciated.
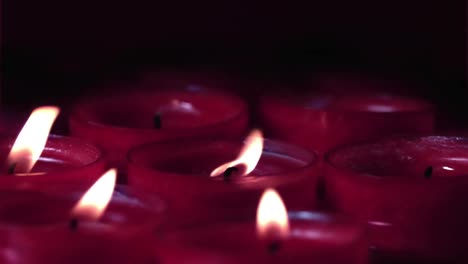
point(323, 121)
point(411, 190)
point(35, 228)
point(179, 171)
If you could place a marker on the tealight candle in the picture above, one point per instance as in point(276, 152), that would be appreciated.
point(34, 156)
point(52, 227)
point(323, 121)
point(180, 172)
point(412, 191)
point(64, 160)
point(301, 237)
point(116, 122)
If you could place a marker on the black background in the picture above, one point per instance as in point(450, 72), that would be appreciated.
point(60, 49)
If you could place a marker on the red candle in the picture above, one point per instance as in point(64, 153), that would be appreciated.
point(412, 191)
point(180, 170)
point(39, 227)
point(116, 122)
point(306, 237)
point(34, 156)
point(323, 121)
point(64, 159)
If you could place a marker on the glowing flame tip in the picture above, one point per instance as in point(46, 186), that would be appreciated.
point(272, 216)
point(94, 202)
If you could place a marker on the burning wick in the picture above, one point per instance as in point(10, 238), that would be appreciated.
point(157, 122)
point(228, 173)
point(428, 172)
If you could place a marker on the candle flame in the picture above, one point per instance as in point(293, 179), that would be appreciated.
point(94, 202)
point(249, 155)
point(32, 139)
point(272, 216)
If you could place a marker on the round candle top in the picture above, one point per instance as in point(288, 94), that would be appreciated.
point(38, 227)
point(314, 237)
point(323, 121)
point(411, 191)
point(180, 171)
point(411, 158)
point(62, 158)
point(176, 109)
point(196, 159)
point(59, 153)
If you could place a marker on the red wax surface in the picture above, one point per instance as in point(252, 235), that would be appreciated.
point(411, 211)
point(179, 171)
point(64, 159)
point(322, 121)
point(35, 228)
point(119, 121)
point(314, 238)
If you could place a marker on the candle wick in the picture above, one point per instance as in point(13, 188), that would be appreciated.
point(228, 173)
point(73, 224)
point(157, 122)
point(428, 172)
point(273, 247)
point(12, 167)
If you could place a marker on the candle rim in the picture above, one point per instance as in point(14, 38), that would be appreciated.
point(403, 177)
point(76, 113)
point(311, 163)
point(147, 203)
point(70, 140)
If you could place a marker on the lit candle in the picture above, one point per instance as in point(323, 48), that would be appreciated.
point(223, 179)
point(412, 191)
point(301, 237)
point(104, 226)
point(323, 121)
point(47, 159)
point(123, 120)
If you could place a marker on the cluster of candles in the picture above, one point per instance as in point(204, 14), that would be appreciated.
point(178, 176)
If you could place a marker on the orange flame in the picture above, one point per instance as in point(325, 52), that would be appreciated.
point(32, 139)
point(94, 202)
point(249, 155)
point(272, 216)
